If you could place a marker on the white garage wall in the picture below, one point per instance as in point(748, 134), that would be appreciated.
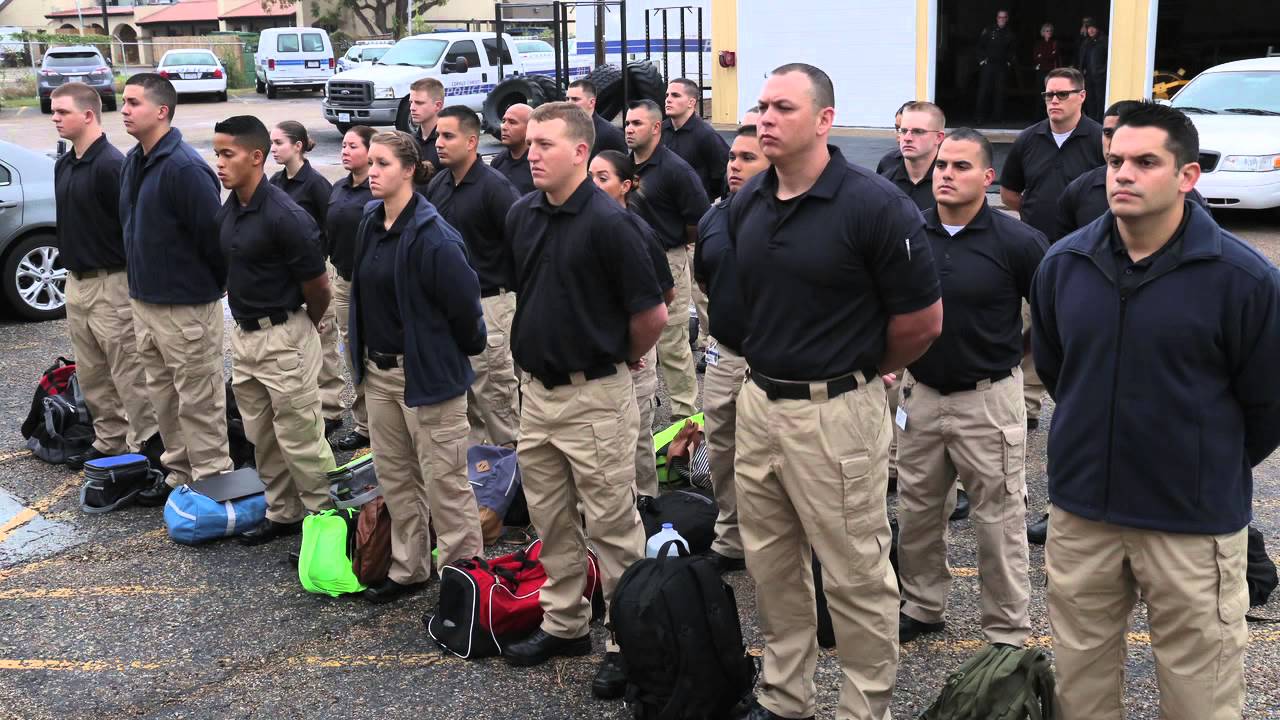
point(868, 47)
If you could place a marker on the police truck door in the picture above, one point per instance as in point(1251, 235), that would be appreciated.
point(467, 87)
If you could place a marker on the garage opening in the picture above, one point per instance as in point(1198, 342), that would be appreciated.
point(1193, 36)
point(958, 74)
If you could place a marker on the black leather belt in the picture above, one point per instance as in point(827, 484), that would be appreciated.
point(952, 389)
point(262, 323)
point(592, 373)
point(383, 361)
point(779, 390)
point(87, 274)
point(492, 292)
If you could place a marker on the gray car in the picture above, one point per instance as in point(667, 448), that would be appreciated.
point(32, 279)
point(77, 63)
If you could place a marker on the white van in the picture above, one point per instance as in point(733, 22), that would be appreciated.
point(293, 57)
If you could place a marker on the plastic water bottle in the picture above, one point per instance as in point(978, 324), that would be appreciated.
point(666, 534)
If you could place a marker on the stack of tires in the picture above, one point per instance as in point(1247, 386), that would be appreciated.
point(532, 90)
point(645, 83)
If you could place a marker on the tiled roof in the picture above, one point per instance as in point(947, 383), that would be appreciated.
point(253, 9)
point(185, 12)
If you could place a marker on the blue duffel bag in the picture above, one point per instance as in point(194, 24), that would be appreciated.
point(193, 518)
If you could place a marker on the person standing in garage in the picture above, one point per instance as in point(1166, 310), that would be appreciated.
point(1045, 56)
point(1092, 62)
point(995, 58)
point(99, 319)
point(608, 136)
point(513, 160)
point(169, 199)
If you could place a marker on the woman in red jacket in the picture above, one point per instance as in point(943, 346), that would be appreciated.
point(1045, 57)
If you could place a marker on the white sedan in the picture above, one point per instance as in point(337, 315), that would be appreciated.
point(1236, 109)
point(194, 72)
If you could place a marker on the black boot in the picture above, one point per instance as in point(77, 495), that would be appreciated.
point(389, 590)
point(352, 441)
point(1038, 531)
point(77, 461)
point(610, 682)
point(909, 628)
point(154, 496)
point(962, 506)
point(758, 712)
point(541, 647)
point(269, 530)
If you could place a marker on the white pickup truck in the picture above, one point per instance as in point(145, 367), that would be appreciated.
point(465, 62)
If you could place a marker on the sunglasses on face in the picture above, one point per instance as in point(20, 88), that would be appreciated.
point(1061, 95)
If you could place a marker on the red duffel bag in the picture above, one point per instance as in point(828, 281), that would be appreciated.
point(486, 605)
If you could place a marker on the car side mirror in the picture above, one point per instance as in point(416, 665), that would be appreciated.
point(459, 65)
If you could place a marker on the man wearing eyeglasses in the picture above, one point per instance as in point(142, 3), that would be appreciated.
point(920, 133)
point(995, 54)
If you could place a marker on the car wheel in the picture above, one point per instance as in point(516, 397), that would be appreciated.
point(222, 96)
point(271, 91)
point(343, 128)
point(35, 283)
point(404, 121)
point(259, 87)
point(46, 106)
point(109, 104)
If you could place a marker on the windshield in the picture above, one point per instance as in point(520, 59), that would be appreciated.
point(72, 59)
point(533, 46)
point(194, 58)
point(373, 53)
point(412, 51)
point(1231, 92)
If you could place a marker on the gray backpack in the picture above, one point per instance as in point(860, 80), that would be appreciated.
point(999, 683)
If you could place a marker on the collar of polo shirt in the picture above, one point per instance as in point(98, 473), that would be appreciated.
point(573, 205)
point(981, 221)
point(827, 184)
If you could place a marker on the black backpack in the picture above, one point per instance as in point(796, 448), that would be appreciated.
point(691, 512)
point(63, 427)
point(1260, 574)
point(676, 623)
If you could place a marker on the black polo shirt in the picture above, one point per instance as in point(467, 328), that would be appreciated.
point(698, 144)
point(608, 136)
point(1040, 170)
point(380, 321)
point(516, 171)
point(477, 208)
point(427, 148)
point(715, 266)
point(821, 273)
point(985, 272)
point(888, 160)
point(582, 271)
point(657, 253)
point(671, 197)
point(1085, 200)
point(342, 220)
point(87, 191)
point(921, 193)
point(308, 189)
point(272, 247)
point(1130, 274)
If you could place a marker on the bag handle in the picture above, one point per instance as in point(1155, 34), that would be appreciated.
point(682, 549)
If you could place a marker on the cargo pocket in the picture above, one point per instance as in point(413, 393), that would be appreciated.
point(289, 362)
point(451, 448)
point(1014, 449)
point(1233, 593)
point(856, 491)
point(608, 459)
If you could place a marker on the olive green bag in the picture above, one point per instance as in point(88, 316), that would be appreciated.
point(328, 544)
point(999, 683)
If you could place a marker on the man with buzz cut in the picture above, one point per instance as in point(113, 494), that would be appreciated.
point(276, 264)
point(686, 134)
point(474, 199)
point(513, 160)
point(169, 201)
point(426, 97)
point(608, 137)
point(99, 319)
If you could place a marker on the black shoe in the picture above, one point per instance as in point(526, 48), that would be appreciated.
point(726, 563)
point(389, 590)
point(893, 484)
point(332, 425)
point(758, 712)
point(701, 367)
point(352, 441)
point(269, 530)
point(77, 461)
point(1033, 423)
point(909, 628)
point(154, 496)
point(541, 647)
point(962, 506)
point(1038, 531)
point(611, 678)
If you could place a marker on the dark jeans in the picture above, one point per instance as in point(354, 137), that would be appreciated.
point(991, 91)
point(1095, 101)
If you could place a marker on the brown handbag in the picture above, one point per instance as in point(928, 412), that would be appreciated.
point(372, 560)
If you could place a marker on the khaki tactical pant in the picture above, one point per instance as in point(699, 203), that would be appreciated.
point(1032, 388)
point(813, 473)
point(575, 445)
point(342, 307)
point(330, 381)
point(274, 373)
point(701, 301)
point(100, 322)
point(180, 348)
point(493, 398)
point(1196, 596)
point(893, 394)
point(646, 384)
point(420, 456)
point(726, 371)
point(979, 435)
point(674, 356)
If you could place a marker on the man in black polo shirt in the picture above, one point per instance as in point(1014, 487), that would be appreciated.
point(426, 97)
point(689, 136)
point(894, 156)
point(608, 136)
point(99, 319)
point(589, 304)
point(474, 198)
point(839, 288)
point(513, 160)
point(169, 201)
point(1044, 159)
point(962, 412)
point(1158, 336)
point(672, 201)
point(275, 264)
point(919, 136)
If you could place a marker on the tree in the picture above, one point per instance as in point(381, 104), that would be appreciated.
point(382, 17)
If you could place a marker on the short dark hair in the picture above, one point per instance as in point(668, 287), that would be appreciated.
point(248, 131)
point(82, 96)
point(157, 89)
point(585, 85)
point(690, 86)
point(746, 131)
point(902, 107)
point(466, 118)
point(1183, 140)
point(927, 107)
point(824, 93)
point(1075, 76)
point(648, 106)
point(973, 136)
point(1120, 106)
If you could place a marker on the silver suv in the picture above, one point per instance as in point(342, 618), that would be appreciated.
point(78, 63)
point(32, 279)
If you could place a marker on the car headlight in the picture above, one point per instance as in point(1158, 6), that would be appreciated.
point(386, 93)
point(1250, 163)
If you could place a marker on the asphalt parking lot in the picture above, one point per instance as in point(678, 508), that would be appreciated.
point(107, 618)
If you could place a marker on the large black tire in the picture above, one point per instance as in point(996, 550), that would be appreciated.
point(35, 283)
point(404, 120)
point(608, 82)
point(271, 91)
point(646, 83)
point(259, 87)
point(528, 89)
point(46, 105)
point(551, 92)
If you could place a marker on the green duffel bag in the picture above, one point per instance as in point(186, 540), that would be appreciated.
point(999, 683)
point(328, 544)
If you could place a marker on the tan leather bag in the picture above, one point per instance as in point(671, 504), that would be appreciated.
point(372, 561)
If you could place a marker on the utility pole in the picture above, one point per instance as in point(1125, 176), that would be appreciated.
point(599, 11)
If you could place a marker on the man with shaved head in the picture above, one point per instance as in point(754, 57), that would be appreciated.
point(513, 161)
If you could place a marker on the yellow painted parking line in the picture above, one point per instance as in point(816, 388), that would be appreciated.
point(1257, 635)
point(77, 665)
point(406, 660)
point(36, 565)
point(14, 455)
point(30, 512)
point(73, 593)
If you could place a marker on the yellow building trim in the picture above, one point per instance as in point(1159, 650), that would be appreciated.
point(1132, 34)
point(724, 81)
point(922, 49)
